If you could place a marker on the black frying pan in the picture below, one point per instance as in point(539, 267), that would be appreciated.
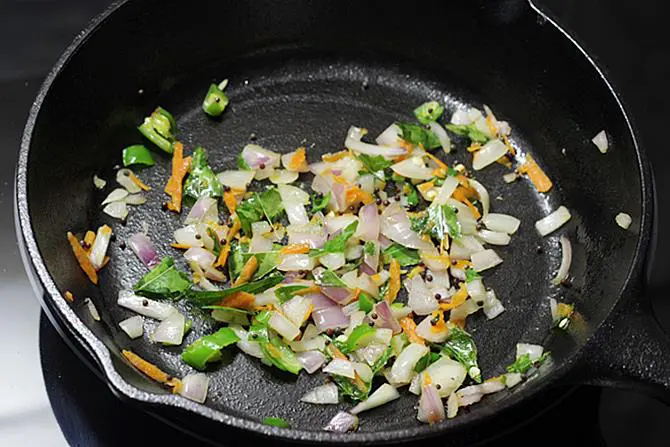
point(307, 70)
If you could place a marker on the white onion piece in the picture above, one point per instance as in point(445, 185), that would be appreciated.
point(492, 305)
point(600, 140)
point(385, 318)
point(553, 307)
point(342, 423)
point(171, 330)
point(488, 154)
point(493, 237)
point(441, 135)
point(311, 234)
point(363, 371)
point(413, 168)
point(534, 351)
point(477, 291)
point(194, 387)
point(367, 182)
point(189, 236)
point(566, 261)
point(501, 222)
point(118, 210)
point(337, 223)
point(420, 300)
point(371, 353)
point(283, 177)
point(297, 309)
point(98, 182)
point(123, 179)
point(623, 220)
point(465, 247)
point(553, 221)
point(452, 406)
point(144, 306)
point(460, 117)
point(99, 247)
point(383, 395)
point(329, 318)
point(340, 367)
point(464, 216)
point(135, 199)
point(296, 262)
point(133, 326)
point(290, 193)
point(368, 223)
point(332, 261)
point(353, 142)
point(468, 399)
point(200, 256)
point(390, 136)
point(204, 210)
point(202, 231)
point(427, 331)
point(396, 226)
point(512, 379)
point(485, 259)
point(92, 309)
point(350, 309)
point(461, 312)
point(431, 409)
point(311, 361)
point(446, 190)
point(400, 312)
point(403, 367)
point(236, 179)
point(351, 251)
point(259, 244)
point(248, 347)
point(283, 326)
point(115, 196)
point(448, 374)
point(307, 345)
point(322, 395)
point(296, 213)
point(483, 194)
point(510, 177)
point(255, 156)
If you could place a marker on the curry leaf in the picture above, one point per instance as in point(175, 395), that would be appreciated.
point(163, 281)
point(461, 347)
point(469, 130)
point(405, 256)
point(338, 243)
point(202, 181)
point(207, 297)
point(418, 135)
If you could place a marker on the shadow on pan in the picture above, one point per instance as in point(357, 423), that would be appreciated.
point(302, 73)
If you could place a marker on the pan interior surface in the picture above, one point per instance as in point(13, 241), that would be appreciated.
point(285, 95)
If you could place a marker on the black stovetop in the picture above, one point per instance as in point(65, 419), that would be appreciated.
point(629, 40)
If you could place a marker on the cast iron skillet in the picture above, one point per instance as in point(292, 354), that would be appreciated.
point(302, 72)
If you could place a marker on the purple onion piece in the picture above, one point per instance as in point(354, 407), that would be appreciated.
point(368, 218)
point(320, 301)
point(431, 408)
point(339, 295)
point(141, 245)
point(311, 360)
point(329, 318)
point(364, 268)
point(385, 317)
point(342, 422)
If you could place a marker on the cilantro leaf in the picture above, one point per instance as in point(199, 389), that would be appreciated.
point(267, 204)
point(461, 347)
point(164, 281)
point(405, 256)
point(428, 112)
point(320, 202)
point(469, 130)
point(523, 364)
point(471, 274)
point(438, 221)
point(374, 163)
point(206, 297)
point(202, 181)
point(338, 243)
point(370, 248)
point(418, 135)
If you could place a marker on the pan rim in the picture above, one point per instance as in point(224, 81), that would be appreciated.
point(104, 357)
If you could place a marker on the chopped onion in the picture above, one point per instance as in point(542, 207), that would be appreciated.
point(311, 361)
point(350, 309)
point(248, 347)
point(485, 259)
point(118, 195)
point(483, 194)
point(283, 177)
point(371, 353)
point(368, 223)
point(553, 221)
point(283, 326)
point(512, 379)
point(342, 423)
point(297, 309)
point(385, 318)
point(403, 367)
point(488, 154)
point(353, 142)
point(383, 395)
point(337, 223)
point(118, 210)
point(441, 135)
point(340, 367)
point(339, 295)
point(311, 234)
point(99, 247)
point(465, 247)
point(510, 177)
point(236, 179)
point(171, 330)
point(493, 237)
point(492, 305)
point(188, 236)
point(396, 226)
point(420, 300)
point(291, 193)
point(135, 199)
point(204, 210)
point(133, 326)
point(446, 190)
point(311, 344)
point(320, 301)
point(452, 406)
point(390, 136)
point(431, 409)
point(296, 213)
point(144, 306)
point(98, 182)
point(296, 262)
point(332, 261)
point(566, 260)
point(433, 334)
point(194, 387)
point(501, 223)
point(464, 216)
point(124, 178)
point(255, 156)
point(92, 309)
point(363, 371)
point(534, 351)
point(413, 168)
point(448, 374)
point(623, 220)
point(367, 182)
point(322, 395)
point(201, 256)
point(329, 318)
point(600, 140)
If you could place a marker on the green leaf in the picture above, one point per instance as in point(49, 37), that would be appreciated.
point(137, 154)
point(285, 293)
point(370, 248)
point(428, 112)
point(471, 274)
point(469, 130)
point(236, 259)
point(523, 364)
point(163, 281)
point(338, 243)
point(405, 256)
point(365, 302)
point(419, 222)
point(208, 348)
point(349, 389)
point(267, 262)
point(215, 238)
point(202, 181)
point(382, 361)
point(320, 202)
point(241, 164)
point(374, 163)
point(426, 361)
point(329, 278)
point(276, 422)
point(461, 347)
point(280, 355)
point(418, 135)
point(267, 204)
point(412, 194)
point(437, 221)
point(207, 297)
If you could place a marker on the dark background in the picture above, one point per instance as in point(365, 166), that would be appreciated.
point(628, 38)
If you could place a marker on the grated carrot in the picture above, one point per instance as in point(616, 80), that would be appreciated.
point(238, 300)
point(505, 162)
point(298, 162)
point(409, 328)
point(332, 158)
point(510, 148)
point(425, 187)
point(473, 209)
point(355, 195)
point(415, 271)
point(89, 239)
point(247, 272)
point(442, 259)
point(311, 289)
point(82, 258)
point(460, 323)
point(440, 325)
point(462, 264)
point(180, 246)
point(231, 201)
point(394, 281)
point(491, 125)
point(336, 353)
point(456, 300)
point(140, 184)
point(441, 170)
point(225, 251)
point(151, 370)
point(294, 249)
point(180, 167)
point(474, 147)
point(69, 296)
point(536, 175)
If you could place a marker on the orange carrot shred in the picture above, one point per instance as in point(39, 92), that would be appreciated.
point(238, 300)
point(82, 258)
point(180, 246)
point(180, 167)
point(294, 249)
point(230, 201)
point(247, 272)
point(394, 282)
point(473, 209)
point(456, 300)
point(355, 195)
point(223, 254)
point(69, 296)
point(89, 239)
point(536, 175)
point(332, 158)
point(298, 162)
point(140, 184)
point(307, 290)
point(441, 170)
point(409, 328)
point(151, 370)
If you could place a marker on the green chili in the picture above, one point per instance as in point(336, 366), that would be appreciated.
point(137, 154)
point(216, 100)
point(208, 348)
point(159, 128)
